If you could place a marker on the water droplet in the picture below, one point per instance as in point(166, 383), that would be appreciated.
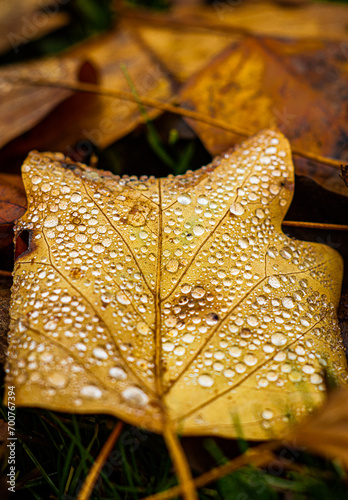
point(295, 376)
point(198, 230)
point(288, 303)
point(286, 253)
point(98, 248)
point(50, 325)
point(235, 352)
point(272, 252)
point(36, 179)
point(143, 328)
point(91, 392)
point(316, 378)
point(188, 338)
point(81, 238)
point(57, 380)
point(250, 359)
point(172, 266)
point(280, 356)
point(212, 319)
point(274, 282)
point(184, 199)
point(278, 339)
point(143, 234)
point(100, 353)
point(135, 396)
point(75, 197)
point(117, 373)
point(179, 351)
point(186, 288)
point(237, 209)
point(198, 292)
point(168, 347)
point(240, 367)
point(51, 221)
point(243, 243)
point(205, 380)
point(267, 414)
point(309, 369)
point(252, 321)
point(122, 298)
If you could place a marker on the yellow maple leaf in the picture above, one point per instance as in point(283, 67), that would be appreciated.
point(173, 302)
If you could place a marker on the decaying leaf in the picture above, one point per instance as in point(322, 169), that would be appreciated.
point(13, 204)
point(12, 198)
point(24, 20)
point(104, 119)
point(266, 82)
point(22, 105)
point(173, 302)
point(97, 119)
point(5, 294)
point(308, 21)
point(184, 51)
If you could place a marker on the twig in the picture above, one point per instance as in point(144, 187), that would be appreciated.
point(170, 108)
point(315, 225)
point(93, 474)
point(259, 456)
point(6, 274)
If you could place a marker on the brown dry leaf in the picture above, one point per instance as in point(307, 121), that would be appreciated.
point(98, 119)
point(13, 201)
point(25, 20)
point(173, 303)
point(326, 432)
point(183, 51)
point(13, 204)
point(5, 296)
point(104, 119)
point(267, 82)
point(23, 106)
point(309, 21)
point(345, 174)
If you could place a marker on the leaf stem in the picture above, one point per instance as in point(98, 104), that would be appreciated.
point(187, 485)
point(170, 108)
point(93, 474)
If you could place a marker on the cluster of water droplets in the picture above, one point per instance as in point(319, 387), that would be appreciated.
point(238, 299)
point(88, 306)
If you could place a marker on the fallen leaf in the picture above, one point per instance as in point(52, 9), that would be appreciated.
point(298, 86)
point(173, 303)
point(105, 119)
point(183, 51)
point(22, 105)
point(308, 21)
point(5, 297)
point(97, 119)
point(13, 200)
point(24, 20)
point(13, 204)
